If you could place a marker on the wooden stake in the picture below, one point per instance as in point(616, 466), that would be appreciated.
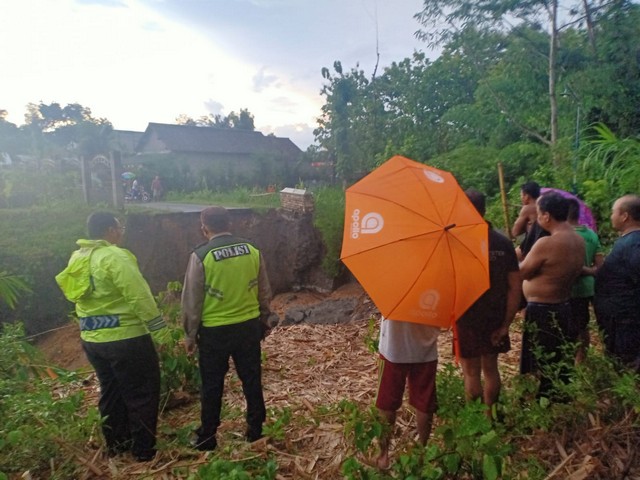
point(503, 196)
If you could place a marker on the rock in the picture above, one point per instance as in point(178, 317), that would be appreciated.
point(291, 246)
point(293, 317)
point(329, 311)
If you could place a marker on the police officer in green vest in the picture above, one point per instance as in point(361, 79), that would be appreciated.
point(225, 299)
point(118, 318)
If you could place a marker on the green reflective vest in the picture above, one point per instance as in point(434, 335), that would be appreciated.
point(231, 268)
point(113, 300)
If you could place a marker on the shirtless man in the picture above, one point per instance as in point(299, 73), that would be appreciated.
point(526, 223)
point(549, 271)
point(529, 193)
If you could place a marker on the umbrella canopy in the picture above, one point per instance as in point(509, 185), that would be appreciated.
point(585, 216)
point(415, 243)
point(128, 175)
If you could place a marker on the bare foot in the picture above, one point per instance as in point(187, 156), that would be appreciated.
point(382, 461)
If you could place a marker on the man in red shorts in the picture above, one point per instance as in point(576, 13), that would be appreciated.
point(483, 330)
point(408, 351)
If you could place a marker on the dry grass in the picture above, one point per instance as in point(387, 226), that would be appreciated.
point(309, 370)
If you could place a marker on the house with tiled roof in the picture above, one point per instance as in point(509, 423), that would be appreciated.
point(219, 156)
point(126, 141)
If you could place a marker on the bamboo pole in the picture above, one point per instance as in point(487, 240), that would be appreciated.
point(503, 196)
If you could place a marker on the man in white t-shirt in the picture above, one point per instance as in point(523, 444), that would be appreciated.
point(408, 352)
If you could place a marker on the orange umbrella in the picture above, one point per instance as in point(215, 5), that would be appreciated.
point(415, 243)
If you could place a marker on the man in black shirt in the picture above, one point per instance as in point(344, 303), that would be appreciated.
point(617, 289)
point(483, 330)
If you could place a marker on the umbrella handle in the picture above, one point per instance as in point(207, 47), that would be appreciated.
point(449, 227)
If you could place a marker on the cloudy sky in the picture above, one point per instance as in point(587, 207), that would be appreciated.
point(140, 61)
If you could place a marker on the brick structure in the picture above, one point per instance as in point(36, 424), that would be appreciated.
point(296, 200)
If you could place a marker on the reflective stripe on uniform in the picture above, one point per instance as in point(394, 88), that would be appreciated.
point(99, 321)
point(156, 324)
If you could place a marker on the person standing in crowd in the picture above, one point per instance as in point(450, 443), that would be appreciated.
point(135, 190)
point(408, 353)
point(225, 301)
point(118, 317)
point(483, 330)
point(526, 223)
point(156, 189)
point(617, 286)
point(582, 291)
point(549, 271)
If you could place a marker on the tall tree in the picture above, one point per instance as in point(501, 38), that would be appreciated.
point(614, 77)
point(56, 132)
point(335, 132)
point(503, 16)
point(241, 121)
point(11, 137)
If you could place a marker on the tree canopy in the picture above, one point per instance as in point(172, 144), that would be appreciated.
point(242, 121)
point(523, 83)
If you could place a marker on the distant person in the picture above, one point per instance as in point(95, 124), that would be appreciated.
point(582, 291)
point(135, 190)
point(483, 330)
point(225, 302)
point(117, 312)
point(526, 223)
point(549, 271)
point(408, 354)
point(156, 189)
point(617, 288)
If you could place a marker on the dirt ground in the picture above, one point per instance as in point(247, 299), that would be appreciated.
point(63, 349)
point(309, 371)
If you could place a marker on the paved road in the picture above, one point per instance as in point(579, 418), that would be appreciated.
point(174, 207)
point(179, 207)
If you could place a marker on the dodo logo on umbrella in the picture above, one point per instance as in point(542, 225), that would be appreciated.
point(369, 223)
point(428, 303)
point(429, 300)
point(433, 176)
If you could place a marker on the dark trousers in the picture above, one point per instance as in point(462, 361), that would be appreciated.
point(621, 336)
point(129, 375)
point(546, 338)
point(241, 342)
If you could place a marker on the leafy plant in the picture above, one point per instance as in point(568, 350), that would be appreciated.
point(372, 338)
point(276, 428)
point(362, 427)
point(329, 220)
point(38, 258)
point(44, 422)
point(352, 469)
point(178, 370)
point(10, 288)
point(252, 469)
point(471, 445)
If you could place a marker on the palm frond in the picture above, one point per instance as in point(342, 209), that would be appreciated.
point(10, 288)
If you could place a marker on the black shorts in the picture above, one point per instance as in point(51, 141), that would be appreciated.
point(475, 341)
point(580, 313)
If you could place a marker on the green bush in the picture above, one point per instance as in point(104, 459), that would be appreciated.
point(329, 220)
point(179, 372)
point(41, 240)
point(221, 469)
point(44, 425)
point(467, 444)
